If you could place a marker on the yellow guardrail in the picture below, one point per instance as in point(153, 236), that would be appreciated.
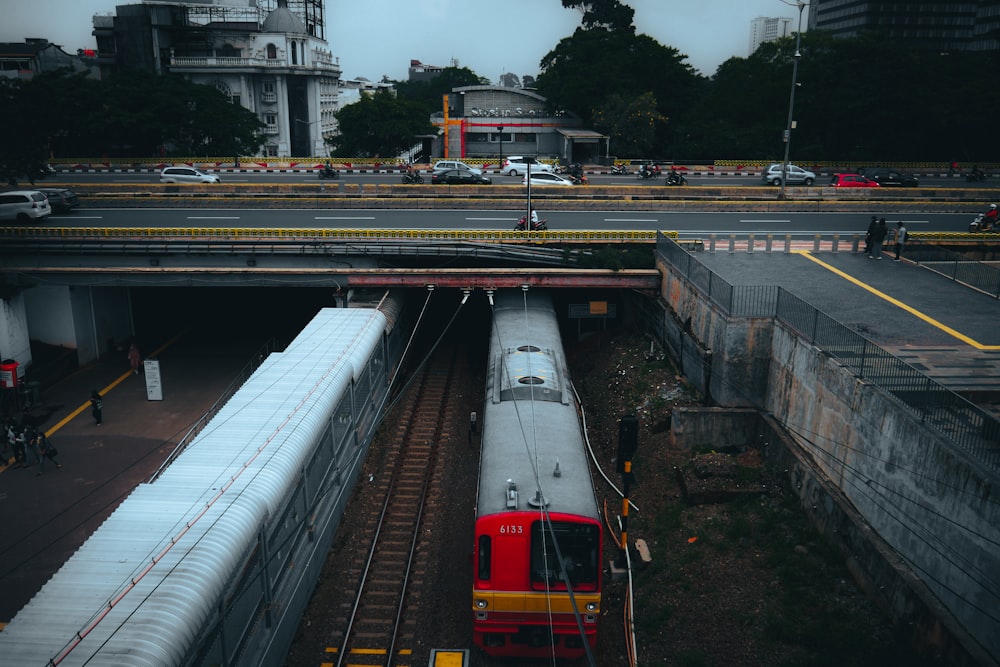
point(248, 233)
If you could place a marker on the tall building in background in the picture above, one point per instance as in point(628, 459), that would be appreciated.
point(767, 29)
point(956, 25)
point(269, 56)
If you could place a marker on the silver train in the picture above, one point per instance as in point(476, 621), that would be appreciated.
point(537, 548)
point(214, 561)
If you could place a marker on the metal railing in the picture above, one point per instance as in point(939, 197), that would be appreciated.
point(968, 426)
point(956, 266)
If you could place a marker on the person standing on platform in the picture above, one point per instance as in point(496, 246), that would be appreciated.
point(868, 235)
point(878, 238)
point(97, 407)
point(900, 238)
point(134, 358)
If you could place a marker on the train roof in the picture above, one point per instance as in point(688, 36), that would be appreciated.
point(532, 425)
point(140, 589)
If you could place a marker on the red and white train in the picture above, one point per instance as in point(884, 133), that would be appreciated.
point(537, 551)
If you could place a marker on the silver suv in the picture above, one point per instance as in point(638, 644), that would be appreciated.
point(445, 165)
point(24, 205)
point(772, 175)
point(187, 175)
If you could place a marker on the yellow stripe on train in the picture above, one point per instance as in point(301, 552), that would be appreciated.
point(522, 601)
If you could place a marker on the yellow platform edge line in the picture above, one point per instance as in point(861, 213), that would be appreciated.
point(899, 304)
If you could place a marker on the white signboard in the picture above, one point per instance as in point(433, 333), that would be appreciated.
point(151, 370)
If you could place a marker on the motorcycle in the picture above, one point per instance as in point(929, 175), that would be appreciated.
point(981, 224)
point(539, 226)
point(675, 178)
point(620, 169)
point(648, 171)
point(976, 176)
point(412, 177)
point(328, 172)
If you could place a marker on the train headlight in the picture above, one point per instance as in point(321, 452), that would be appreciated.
point(481, 604)
point(591, 606)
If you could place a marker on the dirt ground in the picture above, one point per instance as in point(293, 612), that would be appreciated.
point(741, 580)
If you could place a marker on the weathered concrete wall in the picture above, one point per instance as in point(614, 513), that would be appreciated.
point(736, 351)
point(934, 505)
point(877, 568)
point(923, 496)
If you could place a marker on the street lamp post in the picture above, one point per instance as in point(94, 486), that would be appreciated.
point(500, 130)
point(791, 101)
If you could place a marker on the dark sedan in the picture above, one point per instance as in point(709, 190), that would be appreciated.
point(62, 200)
point(888, 178)
point(459, 177)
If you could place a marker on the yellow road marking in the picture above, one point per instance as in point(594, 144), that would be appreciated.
point(899, 304)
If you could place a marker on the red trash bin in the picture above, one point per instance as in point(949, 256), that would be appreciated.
point(8, 374)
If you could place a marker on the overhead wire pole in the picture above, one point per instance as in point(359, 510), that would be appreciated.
point(791, 101)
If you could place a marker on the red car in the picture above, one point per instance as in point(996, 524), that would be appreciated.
point(853, 181)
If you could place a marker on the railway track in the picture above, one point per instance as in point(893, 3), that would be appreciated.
point(376, 630)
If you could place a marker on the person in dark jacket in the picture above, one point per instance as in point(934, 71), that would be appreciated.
point(97, 406)
point(878, 238)
point(868, 235)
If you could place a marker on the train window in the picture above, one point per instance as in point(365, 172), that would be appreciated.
point(484, 557)
point(579, 545)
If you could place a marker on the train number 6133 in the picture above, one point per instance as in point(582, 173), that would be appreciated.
point(511, 529)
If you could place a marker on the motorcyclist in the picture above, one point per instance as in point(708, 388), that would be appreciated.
point(990, 217)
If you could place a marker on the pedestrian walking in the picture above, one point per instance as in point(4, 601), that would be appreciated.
point(868, 235)
point(20, 449)
point(900, 238)
point(48, 451)
point(134, 358)
point(96, 406)
point(878, 238)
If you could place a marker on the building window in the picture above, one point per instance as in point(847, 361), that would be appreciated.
point(272, 52)
point(268, 86)
point(295, 54)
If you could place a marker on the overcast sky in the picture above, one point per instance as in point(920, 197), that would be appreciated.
point(377, 37)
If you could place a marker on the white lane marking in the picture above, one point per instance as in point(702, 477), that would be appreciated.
point(213, 217)
point(760, 221)
point(631, 220)
point(344, 217)
point(490, 219)
point(76, 217)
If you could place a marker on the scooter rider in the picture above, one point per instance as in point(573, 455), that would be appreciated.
point(990, 217)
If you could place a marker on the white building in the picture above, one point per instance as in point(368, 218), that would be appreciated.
point(269, 56)
point(767, 29)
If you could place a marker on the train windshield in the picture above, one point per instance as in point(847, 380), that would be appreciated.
point(578, 545)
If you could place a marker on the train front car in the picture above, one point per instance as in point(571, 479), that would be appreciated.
point(537, 551)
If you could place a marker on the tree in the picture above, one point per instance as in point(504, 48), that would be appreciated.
point(380, 125)
point(430, 93)
point(630, 123)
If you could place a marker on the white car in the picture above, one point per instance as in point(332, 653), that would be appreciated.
point(445, 165)
point(187, 175)
point(516, 165)
point(546, 178)
point(24, 205)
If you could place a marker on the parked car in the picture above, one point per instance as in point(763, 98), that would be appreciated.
point(445, 165)
point(459, 177)
point(62, 200)
point(546, 178)
point(852, 181)
point(187, 175)
point(24, 205)
point(890, 177)
point(772, 175)
point(518, 164)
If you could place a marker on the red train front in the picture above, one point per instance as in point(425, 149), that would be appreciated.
point(522, 605)
point(537, 551)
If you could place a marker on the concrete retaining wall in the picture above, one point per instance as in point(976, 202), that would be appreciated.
point(932, 504)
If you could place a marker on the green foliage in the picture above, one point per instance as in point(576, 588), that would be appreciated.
point(380, 124)
point(137, 114)
point(631, 123)
point(429, 94)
